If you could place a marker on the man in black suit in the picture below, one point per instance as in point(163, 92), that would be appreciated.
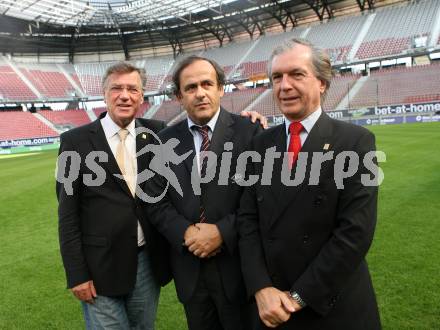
point(201, 228)
point(114, 262)
point(303, 243)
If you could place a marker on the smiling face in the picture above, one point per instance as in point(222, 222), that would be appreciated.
point(296, 89)
point(123, 95)
point(199, 91)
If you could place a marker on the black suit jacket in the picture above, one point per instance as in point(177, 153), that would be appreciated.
point(313, 238)
point(174, 213)
point(98, 224)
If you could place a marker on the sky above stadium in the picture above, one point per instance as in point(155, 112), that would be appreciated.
point(106, 12)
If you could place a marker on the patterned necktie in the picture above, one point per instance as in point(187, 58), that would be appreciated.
point(295, 142)
point(204, 132)
point(126, 169)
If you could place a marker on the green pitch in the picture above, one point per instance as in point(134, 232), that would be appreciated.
point(404, 259)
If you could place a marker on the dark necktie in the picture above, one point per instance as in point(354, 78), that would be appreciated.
point(295, 142)
point(204, 132)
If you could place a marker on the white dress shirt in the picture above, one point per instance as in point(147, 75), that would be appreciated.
point(197, 137)
point(111, 130)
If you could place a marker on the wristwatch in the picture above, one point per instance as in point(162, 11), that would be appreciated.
point(295, 296)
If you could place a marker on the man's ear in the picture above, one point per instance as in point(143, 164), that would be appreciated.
point(222, 90)
point(323, 86)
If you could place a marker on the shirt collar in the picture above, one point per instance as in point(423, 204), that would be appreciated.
point(307, 123)
point(210, 123)
point(111, 128)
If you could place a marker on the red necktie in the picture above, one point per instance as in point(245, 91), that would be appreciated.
point(295, 142)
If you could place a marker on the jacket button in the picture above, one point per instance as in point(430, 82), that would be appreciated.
point(259, 198)
point(318, 200)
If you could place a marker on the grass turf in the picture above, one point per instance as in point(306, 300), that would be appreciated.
point(404, 258)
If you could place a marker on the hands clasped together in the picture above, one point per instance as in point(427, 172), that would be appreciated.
point(203, 240)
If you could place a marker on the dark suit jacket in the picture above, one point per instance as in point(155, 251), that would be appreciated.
point(98, 224)
point(313, 238)
point(174, 213)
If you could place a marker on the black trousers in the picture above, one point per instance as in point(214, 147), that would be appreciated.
point(210, 309)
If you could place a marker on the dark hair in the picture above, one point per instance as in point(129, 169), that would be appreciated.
point(124, 67)
point(221, 78)
point(321, 65)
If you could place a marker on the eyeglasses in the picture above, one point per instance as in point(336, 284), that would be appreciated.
point(118, 89)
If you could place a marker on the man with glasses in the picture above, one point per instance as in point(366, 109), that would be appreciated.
point(114, 262)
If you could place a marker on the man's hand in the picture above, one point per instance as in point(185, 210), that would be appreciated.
point(214, 253)
point(85, 292)
point(254, 117)
point(274, 306)
point(190, 232)
point(295, 304)
point(206, 241)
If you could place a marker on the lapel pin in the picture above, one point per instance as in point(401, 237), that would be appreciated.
point(144, 136)
point(326, 146)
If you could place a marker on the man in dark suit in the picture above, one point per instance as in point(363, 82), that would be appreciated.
point(201, 229)
point(303, 243)
point(114, 262)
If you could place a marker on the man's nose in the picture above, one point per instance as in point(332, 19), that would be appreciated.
point(124, 94)
point(285, 82)
point(200, 92)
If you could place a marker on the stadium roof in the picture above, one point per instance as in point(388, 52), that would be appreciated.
point(105, 12)
point(166, 26)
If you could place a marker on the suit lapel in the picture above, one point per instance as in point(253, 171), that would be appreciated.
point(314, 143)
point(99, 142)
point(279, 141)
point(186, 142)
point(223, 132)
point(141, 141)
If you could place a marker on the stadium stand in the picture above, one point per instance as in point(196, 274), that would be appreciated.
point(266, 105)
point(393, 28)
point(47, 79)
point(237, 101)
point(22, 125)
point(386, 31)
point(339, 87)
point(156, 69)
point(168, 110)
point(336, 36)
point(73, 118)
point(392, 31)
point(399, 85)
point(235, 52)
point(70, 71)
point(89, 74)
point(11, 86)
point(254, 65)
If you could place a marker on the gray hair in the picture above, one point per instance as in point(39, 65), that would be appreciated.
point(124, 67)
point(321, 65)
